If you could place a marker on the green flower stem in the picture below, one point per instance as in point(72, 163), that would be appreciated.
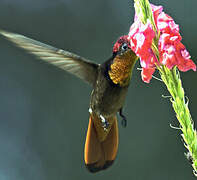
point(144, 12)
point(172, 80)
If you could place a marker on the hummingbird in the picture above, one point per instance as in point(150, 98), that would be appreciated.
point(109, 80)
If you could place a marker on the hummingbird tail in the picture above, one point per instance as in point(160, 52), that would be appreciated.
point(100, 155)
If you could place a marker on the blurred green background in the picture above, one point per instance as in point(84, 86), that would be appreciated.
point(44, 111)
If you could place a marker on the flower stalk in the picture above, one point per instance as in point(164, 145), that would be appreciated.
point(171, 78)
point(144, 11)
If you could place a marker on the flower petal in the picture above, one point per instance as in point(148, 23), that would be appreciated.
point(147, 74)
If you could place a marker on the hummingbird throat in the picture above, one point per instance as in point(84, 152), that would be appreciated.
point(121, 68)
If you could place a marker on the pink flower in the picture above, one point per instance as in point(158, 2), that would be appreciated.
point(141, 37)
point(171, 51)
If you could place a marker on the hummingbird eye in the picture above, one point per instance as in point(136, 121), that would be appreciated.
point(124, 47)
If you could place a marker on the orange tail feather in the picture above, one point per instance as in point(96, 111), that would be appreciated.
point(100, 153)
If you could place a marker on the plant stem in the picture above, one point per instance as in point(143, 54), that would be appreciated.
point(172, 80)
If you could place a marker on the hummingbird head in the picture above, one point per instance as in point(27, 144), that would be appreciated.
point(122, 63)
point(122, 45)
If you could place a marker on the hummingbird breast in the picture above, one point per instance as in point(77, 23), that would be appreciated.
point(107, 98)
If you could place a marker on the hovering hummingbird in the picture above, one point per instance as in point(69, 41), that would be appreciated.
point(110, 81)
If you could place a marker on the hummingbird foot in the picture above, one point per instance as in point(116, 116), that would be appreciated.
point(124, 119)
point(104, 122)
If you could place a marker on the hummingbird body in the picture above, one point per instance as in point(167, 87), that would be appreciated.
point(107, 98)
point(110, 82)
point(113, 78)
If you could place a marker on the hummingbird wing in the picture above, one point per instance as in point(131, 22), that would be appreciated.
point(65, 60)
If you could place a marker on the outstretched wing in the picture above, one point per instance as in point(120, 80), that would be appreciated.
point(65, 60)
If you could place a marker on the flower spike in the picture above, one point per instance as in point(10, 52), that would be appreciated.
point(156, 40)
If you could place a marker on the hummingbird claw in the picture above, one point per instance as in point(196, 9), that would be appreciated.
point(104, 122)
point(124, 123)
point(124, 119)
